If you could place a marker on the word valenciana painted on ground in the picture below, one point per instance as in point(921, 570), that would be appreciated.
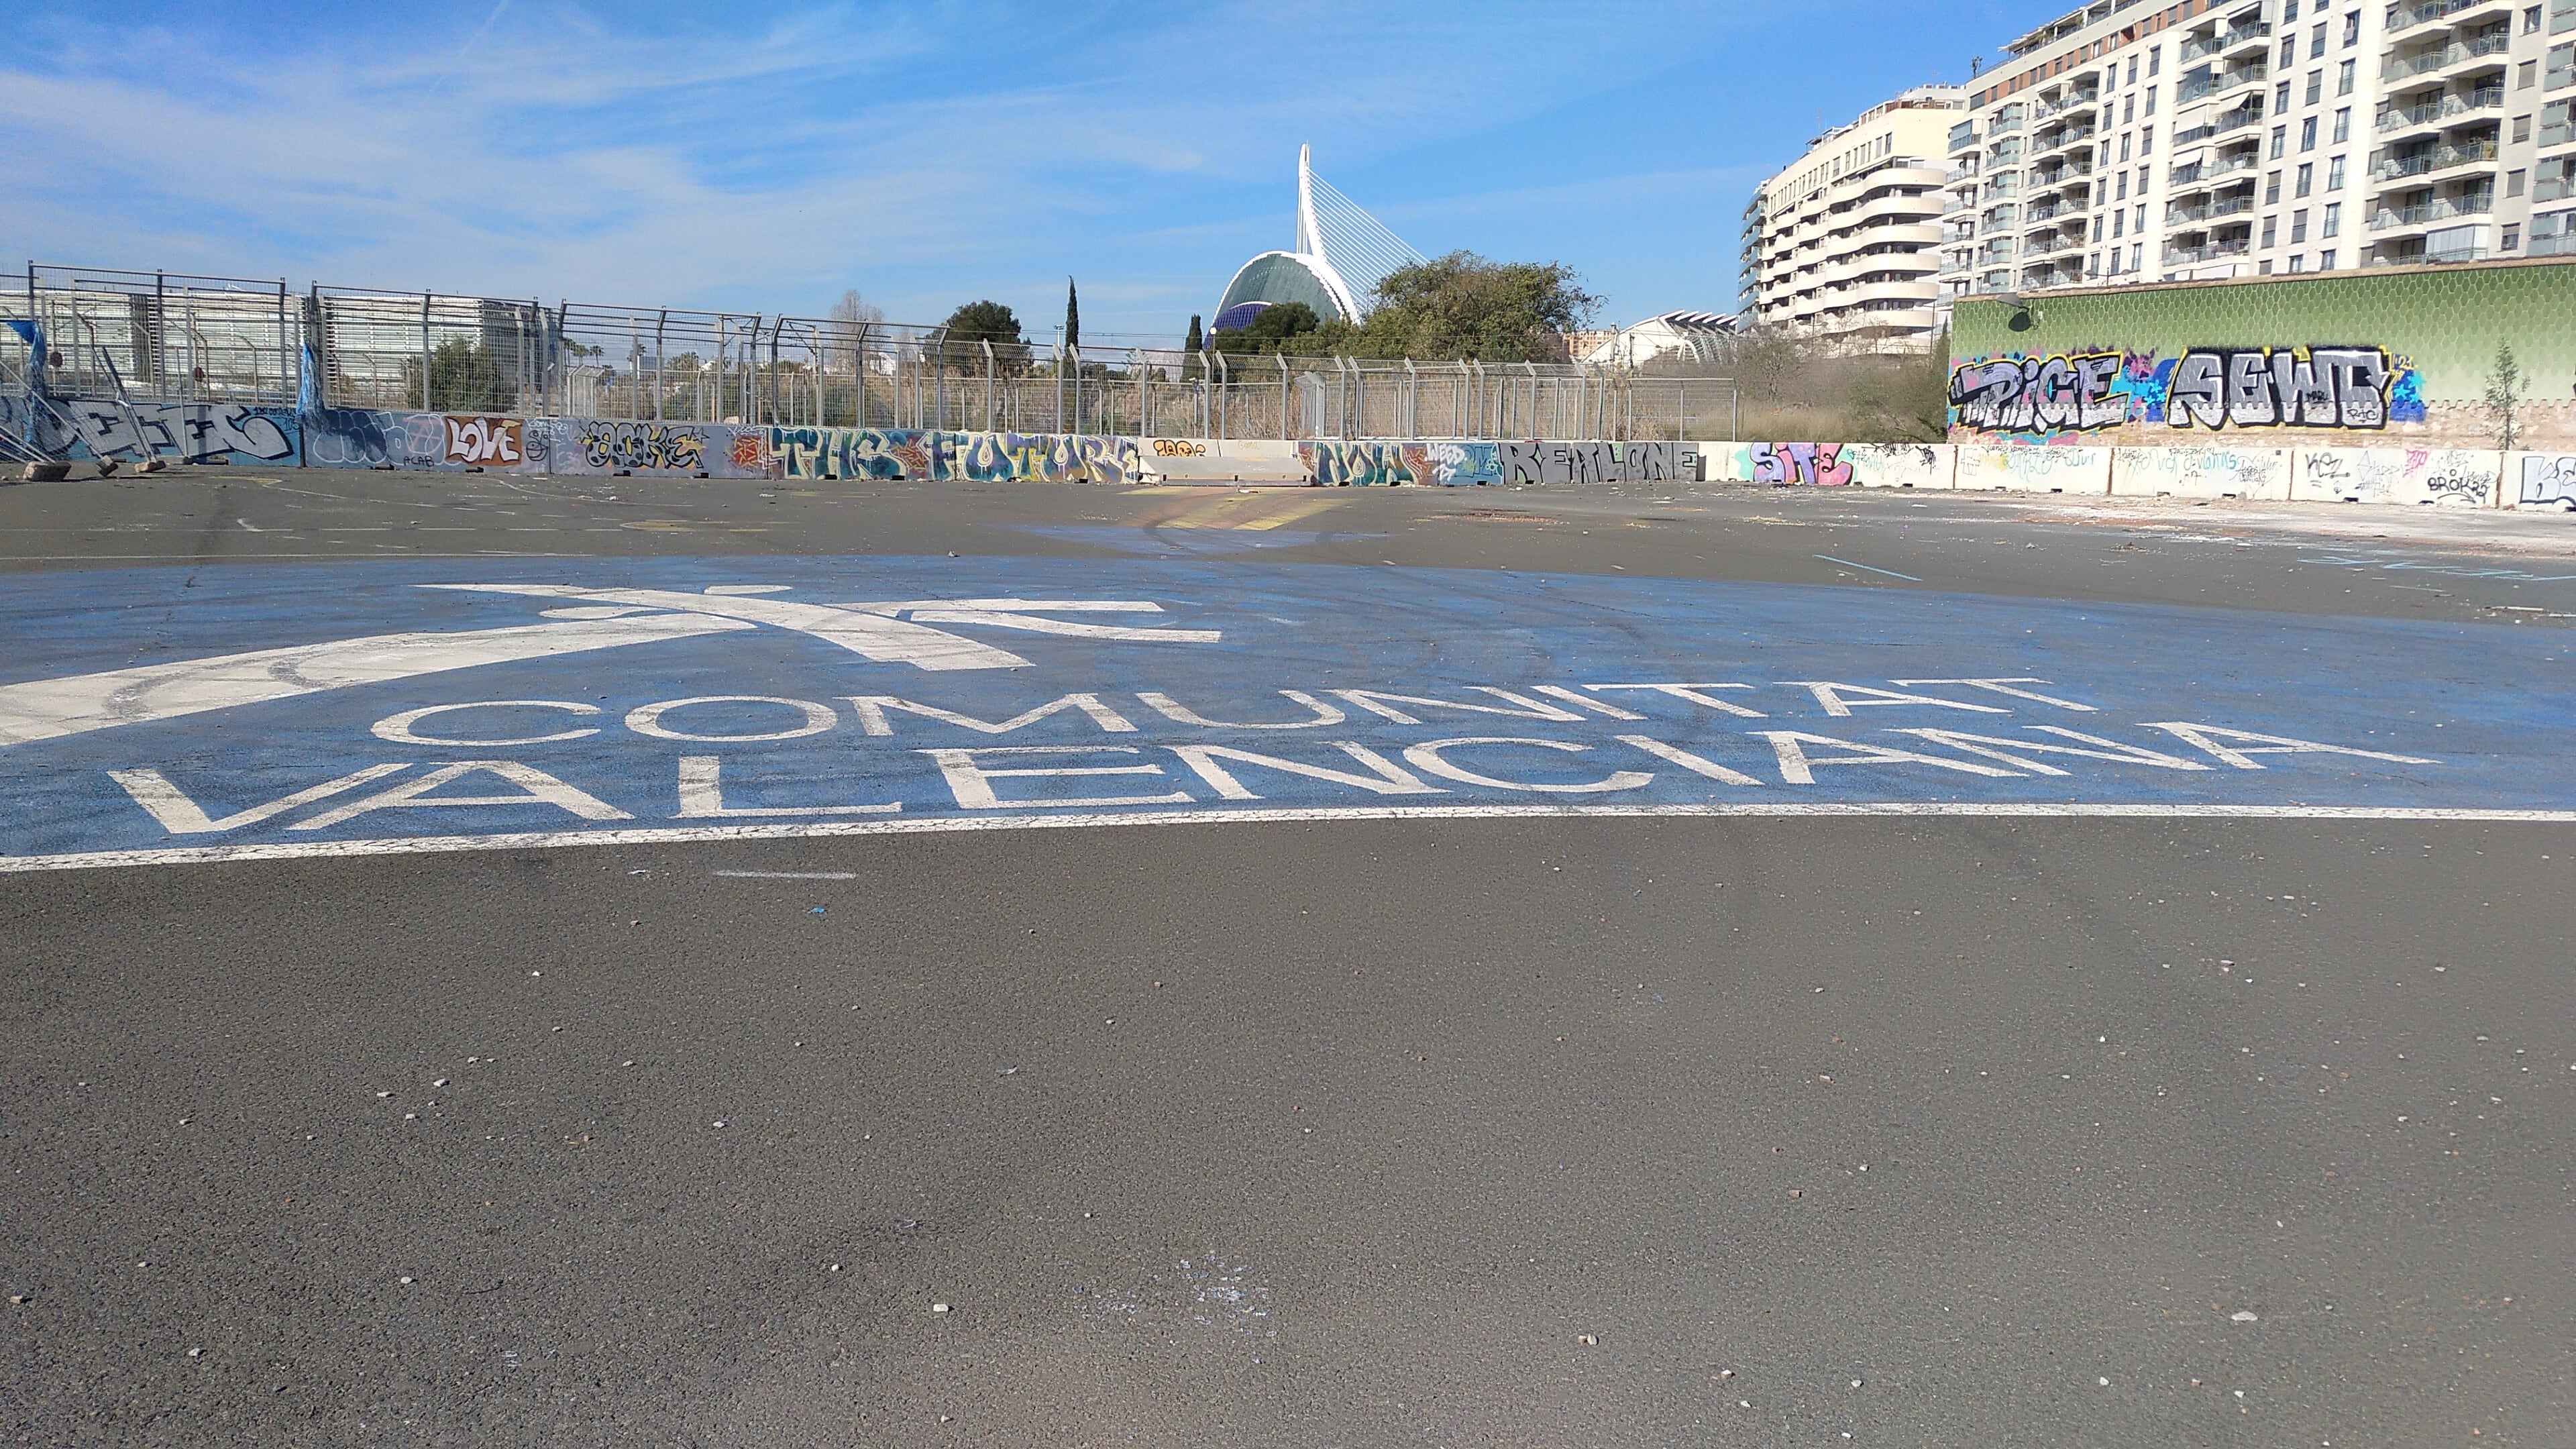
point(420, 704)
point(2036, 397)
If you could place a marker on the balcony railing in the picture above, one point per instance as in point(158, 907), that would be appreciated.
point(2435, 158)
point(2192, 90)
point(2220, 124)
point(2455, 53)
point(2407, 17)
point(2430, 113)
point(2225, 41)
point(2426, 212)
point(2214, 251)
point(2224, 206)
point(2559, 134)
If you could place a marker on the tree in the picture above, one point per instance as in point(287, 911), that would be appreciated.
point(464, 377)
point(1072, 319)
point(2504, 390)
point(854, 316)
point(1196, 340)
point(1462, 306)
point(1273, 329)
point(979, 322)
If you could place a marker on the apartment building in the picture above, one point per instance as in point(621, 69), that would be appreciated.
point(1842, 246)
point(2131, 142)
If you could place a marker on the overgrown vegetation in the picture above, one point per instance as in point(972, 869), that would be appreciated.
point(1794, 392)
point(464, 377)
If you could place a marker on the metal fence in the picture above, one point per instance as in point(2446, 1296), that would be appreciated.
point(154, 337)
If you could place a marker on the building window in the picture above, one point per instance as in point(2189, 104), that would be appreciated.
point(2151, 92)
point(2290, 10)
point(2343, 79)
point(2525, 74)
point(2097, 228)
point(2289, 51)
point(2117, 230)
point(2138, 218)
point(2316, 88)
point(2280, 98)
point(2128, 110)
point(2133, 70)
point(2343, 125)
point(2512, 238)
point(2352, 29)
point(2155, 62)
point(2308, 134)
point(2298, 226)
point(2271, 229)
point(2531, 20)
point(2137, 255)
point(2325, 260)
point(2295, 265)
point(2124, 187)
point(2265, 267)
point(2280, 141)
point(2513, 183)
point(2317, 43)
point(2307, 175)
point(2147, 138)
point(2521, 129)
point(2334, 174)
point(2272, 188)
point(2330, 226)
point(2124, 145)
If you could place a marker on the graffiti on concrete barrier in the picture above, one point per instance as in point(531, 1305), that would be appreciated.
point(658, 447)
point(189, 432)
point(2277, 387)
point(482, 442)
point(1180, 448)
point(750, 453)
point(921, 454)
point(2548, 478)
point(2060, 397)
point(1456, 464)
point(2396, 475)
point(1787, 464)
point(1538, 461)
point(2043, 395)
point(1357, 465)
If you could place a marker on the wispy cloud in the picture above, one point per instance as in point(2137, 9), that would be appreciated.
point(926, 154)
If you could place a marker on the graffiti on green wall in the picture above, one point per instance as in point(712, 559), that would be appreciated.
point(2049, 397)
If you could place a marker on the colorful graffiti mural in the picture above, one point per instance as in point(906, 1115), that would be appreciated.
point(2035, 397)
point(842, 453)
point(1784, 465)
point(2548, 481)
point(484, 442)
point(187, 432)
point(1539, 461)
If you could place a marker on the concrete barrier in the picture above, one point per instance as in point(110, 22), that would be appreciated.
point(2046, 469)
point(1902, 465)
point(1222, 462)
point(2458, 477)
point(2201, 472)
point(2544, 481)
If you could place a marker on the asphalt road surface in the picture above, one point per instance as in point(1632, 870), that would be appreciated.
point(1409, 994)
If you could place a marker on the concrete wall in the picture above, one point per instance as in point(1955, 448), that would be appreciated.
point(2217, 472)
point(2034, 470)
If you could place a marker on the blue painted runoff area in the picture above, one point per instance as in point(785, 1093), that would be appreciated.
point(433, 701)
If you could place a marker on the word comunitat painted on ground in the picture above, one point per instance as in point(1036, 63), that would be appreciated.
point(553, 702)
point(2042, 396)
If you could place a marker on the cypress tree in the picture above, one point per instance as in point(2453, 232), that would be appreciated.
point(1072, 318)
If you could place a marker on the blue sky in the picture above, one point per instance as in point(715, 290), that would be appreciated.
point(768, 157)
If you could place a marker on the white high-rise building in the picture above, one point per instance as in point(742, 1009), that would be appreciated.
point(2129, 142)
point(1841, 246)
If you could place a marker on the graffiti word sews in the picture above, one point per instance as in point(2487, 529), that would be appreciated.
point(481, 442)
point(642, 445)
point(1787, 464)
point(2267, 387)
point(2041, 394)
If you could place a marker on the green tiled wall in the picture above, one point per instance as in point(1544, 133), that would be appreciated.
point(2446, 321)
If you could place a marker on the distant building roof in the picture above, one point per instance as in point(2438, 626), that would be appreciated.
point(1696, 334)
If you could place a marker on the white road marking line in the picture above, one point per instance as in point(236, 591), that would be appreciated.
point(788, 874)
point(685, 835)
point(1847, 563)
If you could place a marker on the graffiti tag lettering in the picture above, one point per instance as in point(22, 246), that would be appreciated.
point(1788, 464)
point(2267, 387)
point(484, 442)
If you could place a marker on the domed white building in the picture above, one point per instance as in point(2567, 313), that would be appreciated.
point(1342, 253)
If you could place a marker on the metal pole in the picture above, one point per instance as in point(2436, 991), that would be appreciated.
point(285, 369)
point(992, 374)
point(1284, 432)
point(1144, 375)
point(424, 354)
point(1223, 386)
point(661, 330)
point(1059, 380)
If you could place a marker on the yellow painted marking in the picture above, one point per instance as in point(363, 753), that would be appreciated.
point(1296, 509)
point(1215, 513)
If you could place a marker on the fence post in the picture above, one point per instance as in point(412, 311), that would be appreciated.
point(424, 353)
point(1223, 385)
point(992, 376)
point(661, 329)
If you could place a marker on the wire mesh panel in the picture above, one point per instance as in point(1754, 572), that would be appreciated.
point(164, 339)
